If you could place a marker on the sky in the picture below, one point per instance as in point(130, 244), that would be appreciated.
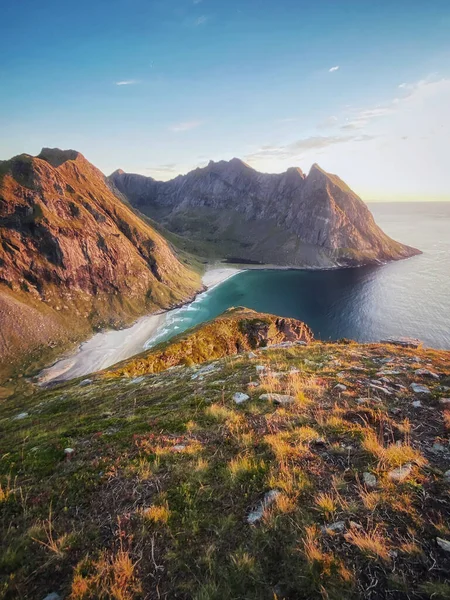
point(158, 87)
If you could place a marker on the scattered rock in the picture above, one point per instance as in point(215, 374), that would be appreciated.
point(252, 384)
point(405, 342)
point(239, 397)
point(417, 404)
point(447, 476)
point(85, 382)
point(444, 544)
point(341, 387)
point(400, 473)
point(444, 401)
point(258, 513)
point(437, 447)
point(282, 399)
point(21, 416)
point(179, 448)
point(355, 525)
point(426, 373)
point(369, 480)
point(52, 596)
point(418, 388)
point(137, 379)
point(260, 368)
point(380, 388)
point(69, 452)
point(252, 355)
point(337, 527)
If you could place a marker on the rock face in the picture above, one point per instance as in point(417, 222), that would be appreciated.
point(290, 219)
point(236, 331)
point(73, 256)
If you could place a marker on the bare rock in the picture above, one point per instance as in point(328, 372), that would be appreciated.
point(258, 513)
point(444, 544)
point(282, 399)
point(239, 397)
point(400, 473)
point(418, 388)
point(369, 480)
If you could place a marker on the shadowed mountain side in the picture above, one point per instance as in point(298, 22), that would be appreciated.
point(287, 219)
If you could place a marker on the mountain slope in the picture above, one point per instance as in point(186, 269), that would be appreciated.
point(75, 255)
point(286, 219)
point(236, 330)
point(203, 483)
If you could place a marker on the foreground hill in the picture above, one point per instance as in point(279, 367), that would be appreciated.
point(230, 210)
point(318, 471)
point(236, 330)
point(73, 257)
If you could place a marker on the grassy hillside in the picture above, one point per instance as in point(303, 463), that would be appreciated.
point(163, 486)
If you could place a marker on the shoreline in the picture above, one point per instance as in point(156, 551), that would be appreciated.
point(109, 347)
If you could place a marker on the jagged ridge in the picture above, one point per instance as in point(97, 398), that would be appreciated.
point(287, 219)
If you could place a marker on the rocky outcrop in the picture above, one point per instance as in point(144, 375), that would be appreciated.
point(73, 257)
point(235, 212)
point(235, 331)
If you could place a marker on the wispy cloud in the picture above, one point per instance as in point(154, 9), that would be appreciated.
point(333, 69)
point(299, 147)
point(167, 171)
point(184, 126)
point(201, 20)
point(127, 82)
point(328, 123)
point(196, 1)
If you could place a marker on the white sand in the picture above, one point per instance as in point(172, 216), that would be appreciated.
point(103, 350)
point(110, 347)
point(215, 275)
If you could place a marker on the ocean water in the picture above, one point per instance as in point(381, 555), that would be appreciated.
point(405, 298)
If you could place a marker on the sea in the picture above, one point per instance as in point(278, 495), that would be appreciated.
point(405, 298)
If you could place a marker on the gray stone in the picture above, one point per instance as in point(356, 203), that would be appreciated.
point(444, 401)
point(21, 416)
point(85, 382)
point(400, 473)
point(253, 384)
point(52, 596)
point(437, 447)
point(447, 476)
point(380, 388)
point(239, 397)
point(369, 480)
point(418, 388)
point(340, 387)
point(258, 513)
point(282, 399)
point(137, 379)
point(252, 355)
point(417, 404)
point(337, 527)
point(426, 373)
point(405, 342)
point(260, 368)
point(444, 544)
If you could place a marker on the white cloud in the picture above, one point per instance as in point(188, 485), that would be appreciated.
point(201, 20)
point(184, 126)
point(127, 82)
point(297, 149)
point(333, 69)
point(328, 123)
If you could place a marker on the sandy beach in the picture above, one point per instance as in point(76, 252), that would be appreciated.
point(109, 347)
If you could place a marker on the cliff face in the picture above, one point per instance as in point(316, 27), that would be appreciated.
point(74, 255)
point(237, 330)
point(287, 219)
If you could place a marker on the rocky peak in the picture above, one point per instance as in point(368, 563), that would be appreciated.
point(56, 157)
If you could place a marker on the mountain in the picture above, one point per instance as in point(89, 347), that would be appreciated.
point(74, 257)
point(232, 211)
point(236, 330)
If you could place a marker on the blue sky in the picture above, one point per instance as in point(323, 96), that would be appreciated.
point(161, 86)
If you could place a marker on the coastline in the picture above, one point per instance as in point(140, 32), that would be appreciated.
point(109, 347)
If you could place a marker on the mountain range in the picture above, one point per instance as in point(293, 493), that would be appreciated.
point(233, 212)
point(80, 252)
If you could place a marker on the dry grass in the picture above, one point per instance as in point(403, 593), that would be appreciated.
point(372, 544)
point(281, 446)
point(55, 544)
point(245, 465)
point(392, 455)
point(157, 514)
point(7, 490)
point(327, 504)
point(112, 577)
point(221, 413)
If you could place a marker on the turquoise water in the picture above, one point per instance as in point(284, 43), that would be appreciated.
point(406, 298)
